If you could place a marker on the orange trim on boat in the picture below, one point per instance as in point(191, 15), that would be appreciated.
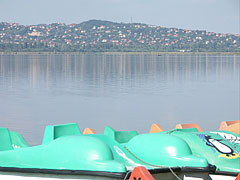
point(141, 173)
point(187, 126)
point(156, 128)
point(233, 126)
point(238, 177)
point(225, 124)
point(89, 131)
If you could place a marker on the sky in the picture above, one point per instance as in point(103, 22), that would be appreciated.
point(221, 16)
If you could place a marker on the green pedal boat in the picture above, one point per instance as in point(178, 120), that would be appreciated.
point(220, 148)
point(65, 153)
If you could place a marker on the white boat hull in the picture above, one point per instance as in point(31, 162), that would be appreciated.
point(221, 177)
point(40, 176)
point(158, 176)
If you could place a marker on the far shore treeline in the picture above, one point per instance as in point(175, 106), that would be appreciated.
point(105, 36)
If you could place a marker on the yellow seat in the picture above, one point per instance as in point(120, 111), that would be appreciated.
point(187, 126)
point(89, 131)
point(233, 126)
point(156, 128)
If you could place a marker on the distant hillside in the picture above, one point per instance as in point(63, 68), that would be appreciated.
point(105, 36)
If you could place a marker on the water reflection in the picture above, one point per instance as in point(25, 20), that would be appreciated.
point(97, 69)
point(121, 90)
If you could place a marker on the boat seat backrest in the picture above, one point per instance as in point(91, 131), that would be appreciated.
point(186, 126)
point(120, 136)
point(5, 140)
point(233, 126)
point(156, 128)
point(53, 132)
point(225, 124)
point(89, 131)
point(125, 136)
point(17, 140)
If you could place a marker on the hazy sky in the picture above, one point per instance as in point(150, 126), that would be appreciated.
point(211, 15)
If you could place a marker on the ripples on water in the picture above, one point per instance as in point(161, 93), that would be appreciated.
point(127, 92)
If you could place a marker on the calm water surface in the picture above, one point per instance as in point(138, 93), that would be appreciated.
point(127, 92)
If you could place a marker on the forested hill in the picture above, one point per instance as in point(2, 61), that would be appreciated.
point(105, 36)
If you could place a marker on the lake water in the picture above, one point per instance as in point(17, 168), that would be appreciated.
point(125, 91)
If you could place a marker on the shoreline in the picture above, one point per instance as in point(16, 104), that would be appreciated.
point(117, 53)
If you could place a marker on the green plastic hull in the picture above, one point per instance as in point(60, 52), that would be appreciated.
point(220, 148)
point(112, 154)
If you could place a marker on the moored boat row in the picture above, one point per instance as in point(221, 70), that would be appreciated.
point(66, 153)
